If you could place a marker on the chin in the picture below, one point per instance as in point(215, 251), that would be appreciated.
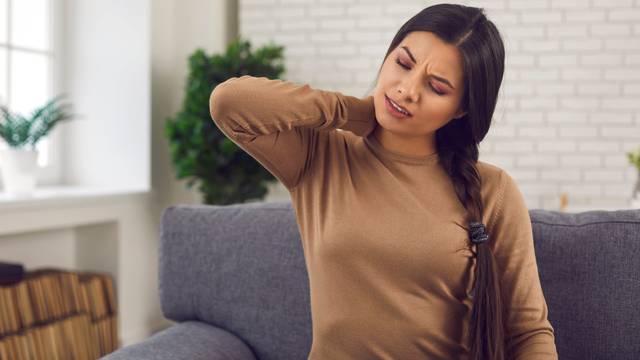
point(388, 122)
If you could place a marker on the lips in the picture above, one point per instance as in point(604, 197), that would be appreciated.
point(398, 105)
point(392, 103)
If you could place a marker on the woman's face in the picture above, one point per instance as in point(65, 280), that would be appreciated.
point(409, 76)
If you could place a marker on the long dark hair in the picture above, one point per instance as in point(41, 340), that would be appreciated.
point(482, 51)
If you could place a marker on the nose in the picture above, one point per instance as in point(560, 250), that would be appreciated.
point(410, 88)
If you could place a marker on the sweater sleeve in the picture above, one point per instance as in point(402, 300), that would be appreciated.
point(528, 332)
point(277, 122)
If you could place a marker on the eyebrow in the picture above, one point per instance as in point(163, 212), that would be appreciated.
point(415, 62)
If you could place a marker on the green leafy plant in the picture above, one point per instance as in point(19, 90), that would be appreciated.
point(634, 158)
point(19, 131)
point(200, 152)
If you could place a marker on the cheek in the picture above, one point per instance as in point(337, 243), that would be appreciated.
point(389, 76)
point(435, 112)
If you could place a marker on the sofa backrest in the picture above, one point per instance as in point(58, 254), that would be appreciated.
point(241, 267)
point(589, 265)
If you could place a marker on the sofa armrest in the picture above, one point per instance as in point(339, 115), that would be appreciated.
point(191, 340)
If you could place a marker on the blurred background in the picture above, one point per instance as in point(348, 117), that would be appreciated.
point(567, 124)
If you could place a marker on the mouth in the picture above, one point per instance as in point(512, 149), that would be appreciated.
point(396, 109)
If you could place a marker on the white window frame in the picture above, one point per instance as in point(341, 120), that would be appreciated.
point(51, 172)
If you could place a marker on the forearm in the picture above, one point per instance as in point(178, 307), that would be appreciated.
point(246, 107)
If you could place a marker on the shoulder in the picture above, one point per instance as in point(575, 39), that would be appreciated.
point(492, 178)
point(497, 185)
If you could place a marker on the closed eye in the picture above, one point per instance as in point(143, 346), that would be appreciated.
point(408, 68)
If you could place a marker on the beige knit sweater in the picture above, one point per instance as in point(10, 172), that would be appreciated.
point(384, 236)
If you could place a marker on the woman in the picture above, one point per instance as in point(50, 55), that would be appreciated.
point(392, 202)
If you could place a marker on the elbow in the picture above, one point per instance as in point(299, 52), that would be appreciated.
point(217, 102)
point(213, 103)
point(223, 98)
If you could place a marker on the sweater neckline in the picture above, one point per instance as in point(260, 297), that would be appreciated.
point(377, 147)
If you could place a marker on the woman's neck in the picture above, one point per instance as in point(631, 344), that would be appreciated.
point(410, 145)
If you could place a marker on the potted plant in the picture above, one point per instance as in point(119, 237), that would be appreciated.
point(634, 159)
point(18, 162)
point(199, 151)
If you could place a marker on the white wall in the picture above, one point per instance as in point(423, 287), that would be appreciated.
point(569, 107)
point(178, 28)
point(107, 67)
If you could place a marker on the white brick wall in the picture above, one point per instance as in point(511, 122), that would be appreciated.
point(569, 107)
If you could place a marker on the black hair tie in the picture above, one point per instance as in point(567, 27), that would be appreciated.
point(477, 232)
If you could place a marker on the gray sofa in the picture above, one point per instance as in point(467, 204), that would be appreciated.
point(234, 280)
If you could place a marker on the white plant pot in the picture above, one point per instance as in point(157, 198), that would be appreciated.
point(19, 169)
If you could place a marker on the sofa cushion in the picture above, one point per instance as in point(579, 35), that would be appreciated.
point(189, 340)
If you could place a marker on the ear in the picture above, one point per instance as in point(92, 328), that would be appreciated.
point(460, 114)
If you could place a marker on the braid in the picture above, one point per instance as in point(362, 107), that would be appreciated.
point(486, 332)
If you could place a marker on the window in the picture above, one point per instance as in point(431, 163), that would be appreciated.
point(27, 49)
